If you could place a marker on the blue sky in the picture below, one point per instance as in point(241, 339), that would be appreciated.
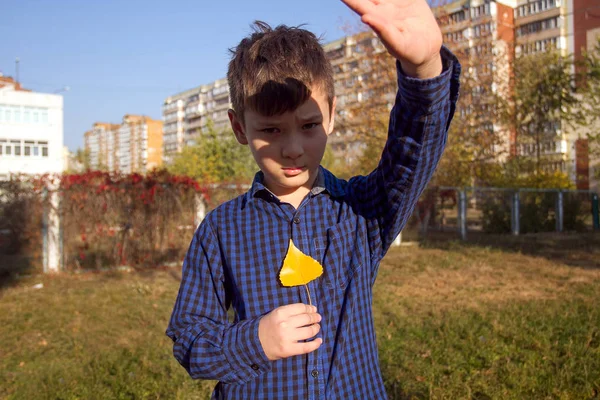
point(126, 57)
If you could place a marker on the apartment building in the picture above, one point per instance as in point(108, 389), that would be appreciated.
point(488, 34)
point(31, 130)
point(140, 144)
point(102, 144)
point(362, 73)
point(571, 26)
point(186, 115)
point(135, 145)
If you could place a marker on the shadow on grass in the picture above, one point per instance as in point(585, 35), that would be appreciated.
point(580, 250)
point(13, 267)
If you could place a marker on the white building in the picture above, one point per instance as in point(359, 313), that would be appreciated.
point(31, 131)
point(186, 115)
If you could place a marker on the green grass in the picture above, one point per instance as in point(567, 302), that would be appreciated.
point(454, 321)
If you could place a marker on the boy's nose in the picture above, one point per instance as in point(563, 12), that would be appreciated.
point(292, 149)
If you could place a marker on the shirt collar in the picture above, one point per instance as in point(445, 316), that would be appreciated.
point(325, 182)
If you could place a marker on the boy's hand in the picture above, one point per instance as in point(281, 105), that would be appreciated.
point(282, 331)
point(408, 30)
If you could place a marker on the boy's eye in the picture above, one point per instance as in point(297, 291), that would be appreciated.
point(310, 126)
point(270, 130)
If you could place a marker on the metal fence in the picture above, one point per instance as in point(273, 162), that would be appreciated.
point(504, 211)
point(47, 230)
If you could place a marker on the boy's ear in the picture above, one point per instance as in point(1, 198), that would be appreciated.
point(332, 116)
point(238, 127)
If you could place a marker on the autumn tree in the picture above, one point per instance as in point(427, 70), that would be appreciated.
point(540, 105)
point(590, 86)
point(216, 157)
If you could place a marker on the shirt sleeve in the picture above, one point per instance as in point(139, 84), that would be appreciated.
point(417, 133)
point(205, 343)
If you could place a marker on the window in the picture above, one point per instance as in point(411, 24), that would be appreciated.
point(27, 150)
point(36, 151)
point(8, 150)
point(44, 151)
point(17, 150)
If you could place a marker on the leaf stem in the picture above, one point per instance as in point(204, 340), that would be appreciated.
point(308, 293)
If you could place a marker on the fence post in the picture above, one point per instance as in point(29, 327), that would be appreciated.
point(515, 214)
point(52, 251)
point(559, 211)
point(200, 206)
point(462, 214)
point(595, 212)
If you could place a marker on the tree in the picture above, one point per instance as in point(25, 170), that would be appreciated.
point(215, 158)
point(541, 102)
point(590, 85)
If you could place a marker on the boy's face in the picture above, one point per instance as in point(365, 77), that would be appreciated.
point(288, 148)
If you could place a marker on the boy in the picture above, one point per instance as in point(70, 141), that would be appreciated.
point(281, 86)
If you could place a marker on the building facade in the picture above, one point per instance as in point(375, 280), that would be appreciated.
point(487, 35)
point(516, 28)
point(188, 114)
point(31, 131)
point(101, 144)
point(135, 145)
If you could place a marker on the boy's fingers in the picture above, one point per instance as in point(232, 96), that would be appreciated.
point(361, 7)
point(305, 347)
point(295, 309)
point(303, 320)
point(306, 333)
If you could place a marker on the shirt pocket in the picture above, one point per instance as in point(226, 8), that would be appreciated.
point(339, 253)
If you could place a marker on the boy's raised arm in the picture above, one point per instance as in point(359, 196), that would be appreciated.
point(408, 30)
point(428, 82)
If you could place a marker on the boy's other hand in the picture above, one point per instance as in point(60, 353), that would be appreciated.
point(282, 331)
point(408, 30)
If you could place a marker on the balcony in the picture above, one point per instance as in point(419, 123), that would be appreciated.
point(194, 123)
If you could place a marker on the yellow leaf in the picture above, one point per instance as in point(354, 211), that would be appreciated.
point(298, 268)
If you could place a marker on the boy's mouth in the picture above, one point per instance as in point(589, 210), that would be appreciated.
point(292, 171)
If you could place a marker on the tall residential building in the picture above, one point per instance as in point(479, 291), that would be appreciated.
point(31, 130)
point(136, 145)
point(358, 63)
point(102, 143)
point(487, 35)
point(140, 144)
point(186, 115)
point(571, 26)
point(476, 29)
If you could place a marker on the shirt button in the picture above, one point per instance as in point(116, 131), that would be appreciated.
point(314, 373)
point(254, 367)
point(296, 220)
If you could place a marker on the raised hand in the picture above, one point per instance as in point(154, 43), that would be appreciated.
point(408, 30)
point(282, 331)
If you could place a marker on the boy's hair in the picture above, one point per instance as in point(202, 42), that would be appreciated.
point(274, 70)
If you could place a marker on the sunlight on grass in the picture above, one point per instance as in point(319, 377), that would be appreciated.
point(454, 322)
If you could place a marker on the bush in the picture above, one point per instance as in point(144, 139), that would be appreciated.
point(112, 219)
point(496, 216)
point(107, 219)
point(537, 213)
point(21, 209)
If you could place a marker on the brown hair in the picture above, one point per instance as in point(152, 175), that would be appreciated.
point(273, 71)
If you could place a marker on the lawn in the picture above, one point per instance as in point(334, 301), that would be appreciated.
point(454, 321)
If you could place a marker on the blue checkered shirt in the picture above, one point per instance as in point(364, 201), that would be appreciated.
point(237, 252)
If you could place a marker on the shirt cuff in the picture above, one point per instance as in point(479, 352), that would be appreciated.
point(427, 93)
point(243, 350)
